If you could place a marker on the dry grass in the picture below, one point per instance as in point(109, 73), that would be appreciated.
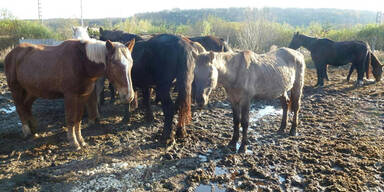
point(380, 55)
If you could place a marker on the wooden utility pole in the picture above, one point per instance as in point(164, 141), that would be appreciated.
point(39, 11)
point(81, 13)
point(379, 17)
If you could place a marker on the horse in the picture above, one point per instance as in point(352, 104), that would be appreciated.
point(80, 33)
point(120, 36)
point(212, 43)
point(157, 62)
point(245, 76)
point(325, 51)
point(68, 70)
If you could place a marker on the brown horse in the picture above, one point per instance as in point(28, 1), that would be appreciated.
point(68, 70)
point(245, 76)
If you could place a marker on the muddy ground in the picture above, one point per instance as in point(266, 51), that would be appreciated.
point(340, 147)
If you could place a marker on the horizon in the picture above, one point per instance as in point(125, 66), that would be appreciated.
point(70, 9)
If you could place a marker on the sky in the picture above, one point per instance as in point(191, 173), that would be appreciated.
point(27, 9)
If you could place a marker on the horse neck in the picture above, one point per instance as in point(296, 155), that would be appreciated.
point(307, 42)
point(95, 70)
point(222, 64)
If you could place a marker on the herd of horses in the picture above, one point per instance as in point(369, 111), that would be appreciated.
point(75, 70)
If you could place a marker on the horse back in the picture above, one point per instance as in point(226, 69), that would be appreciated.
point(270, 75)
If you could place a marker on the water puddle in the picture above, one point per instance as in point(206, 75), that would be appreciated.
point(281, 179)
point(220, 171)
point(213, 187)
point(203, 158)
point(8, 109)
point(299, 178)
point(256, 114)
point(337, 168)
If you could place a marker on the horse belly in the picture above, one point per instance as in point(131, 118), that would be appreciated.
point(272, 86)
point(40, 80)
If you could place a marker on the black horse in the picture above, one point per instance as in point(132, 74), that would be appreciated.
point(212, 43)
point(118, 35)
point(325, 51)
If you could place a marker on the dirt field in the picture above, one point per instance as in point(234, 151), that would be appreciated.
point(340, 147)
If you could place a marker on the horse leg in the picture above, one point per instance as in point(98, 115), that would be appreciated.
point(72, 107)
point(99, 89)
point(296, 93)
point(112, 91)
point(244, 125)
point(326, 73)
point(147, 104)
point(77, 126)
point(129, 107)
point(32, 122)
point(236, 123)
point(350, 72)
point(360, 74)
point(19, 96)
point(92, 108)
point(320, 70)
point(284, 104)
point(168, 110)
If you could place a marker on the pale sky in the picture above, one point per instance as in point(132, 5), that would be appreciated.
point(27, 9)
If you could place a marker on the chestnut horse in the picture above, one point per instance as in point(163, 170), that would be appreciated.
point(68, 70)
point(245, 76)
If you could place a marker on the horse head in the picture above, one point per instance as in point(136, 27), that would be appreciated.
point(206, 76)
point(296, 41)
point(378, 69)
point(80, 32)
point(119, 66)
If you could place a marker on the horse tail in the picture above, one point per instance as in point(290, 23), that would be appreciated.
point(297, 89)
point(10, 67)
point(184, 78)
point(367, 62)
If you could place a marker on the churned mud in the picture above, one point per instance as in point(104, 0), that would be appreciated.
point(339, 147)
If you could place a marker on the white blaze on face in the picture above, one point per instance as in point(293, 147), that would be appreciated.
point(127, 61)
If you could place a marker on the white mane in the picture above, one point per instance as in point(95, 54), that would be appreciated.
point(96, 50)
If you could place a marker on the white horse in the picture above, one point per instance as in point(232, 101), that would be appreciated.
point(80, 33)
point(247, 75)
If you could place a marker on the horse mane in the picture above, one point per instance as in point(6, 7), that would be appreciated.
point(95, 50)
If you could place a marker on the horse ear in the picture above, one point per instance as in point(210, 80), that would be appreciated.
point(131, 44)
point(110, 47)
point(73, 28)
point(101, 30)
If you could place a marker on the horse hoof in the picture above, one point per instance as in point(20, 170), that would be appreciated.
point(242, 149)
point(149, 118)
point(232, 146)
point(280, 132)
point(76, 147)
point(83, 144)
point(359, 83)
point(181, 133)
point(292, 133)
point(126, 119)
